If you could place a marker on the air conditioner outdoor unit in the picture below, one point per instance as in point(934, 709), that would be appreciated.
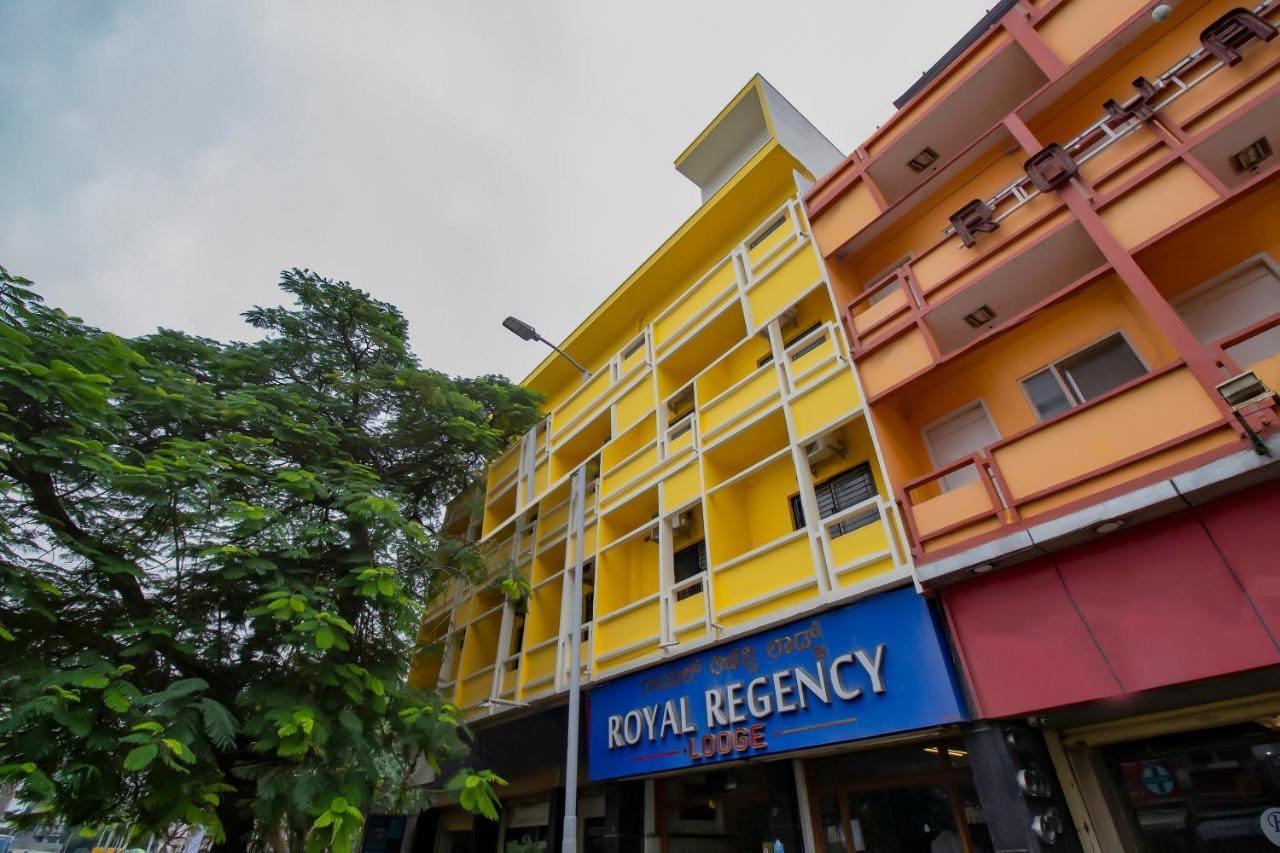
point(680, 401)
point(823, 448)
point(682, 523)
point(786, 320)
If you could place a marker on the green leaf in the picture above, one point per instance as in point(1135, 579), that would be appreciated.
point(116, 701)
point(324, 637)
point(140, 756)
point(177, 690)
point(95, 682)
point(219, 724)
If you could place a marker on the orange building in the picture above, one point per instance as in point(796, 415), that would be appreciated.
point(1058, 266)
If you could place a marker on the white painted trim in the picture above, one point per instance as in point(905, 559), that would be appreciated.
point(759, 273)
point(768, 401)
point(737, 385)
point(630, 607)
point(562, 434)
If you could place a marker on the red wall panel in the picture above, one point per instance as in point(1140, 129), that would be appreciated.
point(1244, 526)
point(1163, 605)
point(1174, 600)
point(1022, 644)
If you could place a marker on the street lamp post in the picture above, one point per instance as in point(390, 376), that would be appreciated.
point(578, 500)
point(524, 330)
point(578, 515)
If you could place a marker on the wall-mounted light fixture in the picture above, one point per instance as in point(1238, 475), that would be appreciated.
point(1249, 158)
point(980, 316)
point(1242, 392)
point(926, 158)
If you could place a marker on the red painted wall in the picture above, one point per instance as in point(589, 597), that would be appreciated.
point(1190, 596)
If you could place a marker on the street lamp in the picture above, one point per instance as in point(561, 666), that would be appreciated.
point(577, 517)
point(524, 330)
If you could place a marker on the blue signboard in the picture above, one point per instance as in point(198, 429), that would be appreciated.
point(865, 669)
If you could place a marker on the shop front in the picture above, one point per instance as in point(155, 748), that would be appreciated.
point(837, 732)
point(1149, 660)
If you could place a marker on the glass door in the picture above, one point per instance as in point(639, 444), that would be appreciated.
point(915, 799)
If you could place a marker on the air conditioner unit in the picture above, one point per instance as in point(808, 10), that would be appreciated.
point(786, 320)
point(821, 449)
point(681, 401)
point(682, 524)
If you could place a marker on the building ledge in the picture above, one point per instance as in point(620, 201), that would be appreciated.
point(1196, 487)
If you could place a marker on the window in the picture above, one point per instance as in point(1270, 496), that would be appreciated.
point(1083, 376)
point(884, 293)
point(689, 561)
point(632, 348)
point(840, 492)
point(809, 347)
point(588, 589)
point(1232, 301)
point(768, 229)
point(517, 643)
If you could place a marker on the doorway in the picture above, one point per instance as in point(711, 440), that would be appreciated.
point(957, 435)
point(918, 798)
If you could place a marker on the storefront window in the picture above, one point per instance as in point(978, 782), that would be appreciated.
point(454, 842)
point(830, 825)
point(527, 827)
point(1201, 792)
point(911, 799)
point(722, 811)
point(907, 819)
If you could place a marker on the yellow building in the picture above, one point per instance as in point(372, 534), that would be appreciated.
point(1035, 313)
point(734, 477)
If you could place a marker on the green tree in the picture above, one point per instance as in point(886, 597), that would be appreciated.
point(212, 557)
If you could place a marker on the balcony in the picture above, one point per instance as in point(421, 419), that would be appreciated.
point(735, 388)
point(628, 618)
point(1144, 426)
point(779, 264)
point(765, 579)
point(628, 460)
point(710, 295)
point(860, 552)
point(992, 78)
point(759, 561)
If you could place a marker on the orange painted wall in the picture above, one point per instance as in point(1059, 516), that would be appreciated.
point(993, 372)
point(1231, 235)
point(1158, 48)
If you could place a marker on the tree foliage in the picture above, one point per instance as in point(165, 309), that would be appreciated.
point(212, 557)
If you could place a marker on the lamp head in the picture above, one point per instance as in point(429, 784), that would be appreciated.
point(1243, 389)
point(520, 328)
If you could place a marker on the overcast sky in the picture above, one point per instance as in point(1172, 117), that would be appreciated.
point(160, 162)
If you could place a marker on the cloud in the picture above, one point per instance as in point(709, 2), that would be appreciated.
point(464, 161)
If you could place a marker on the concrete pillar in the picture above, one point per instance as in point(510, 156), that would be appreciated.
point(1018, 788)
